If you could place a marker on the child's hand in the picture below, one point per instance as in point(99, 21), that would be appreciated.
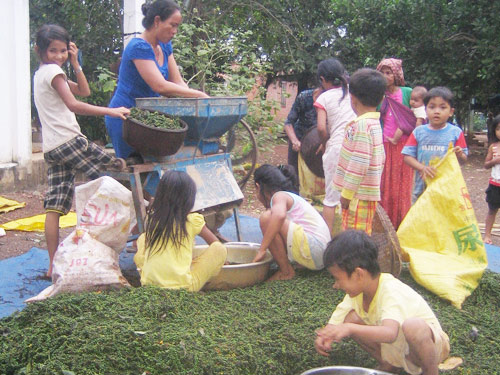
point(73, 54)
point(427, 172)
point(260, 256)
point(461, 156)
point(392, 140)
point(458, 150)
point(328, 335)
point(344, 203)
point(320, 150)
point(120, 112)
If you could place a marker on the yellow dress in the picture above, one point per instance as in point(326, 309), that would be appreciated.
point(175, 268)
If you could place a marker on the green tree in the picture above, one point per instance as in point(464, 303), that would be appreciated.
point(451, 43)
point(95, 27)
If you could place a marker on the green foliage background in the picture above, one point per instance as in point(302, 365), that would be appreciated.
point(224, 44)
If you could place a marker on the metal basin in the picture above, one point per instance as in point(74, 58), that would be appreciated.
point(343, 370)
point(242, 273)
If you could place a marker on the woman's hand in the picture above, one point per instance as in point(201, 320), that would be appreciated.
point(202, 94)
point(296, 146)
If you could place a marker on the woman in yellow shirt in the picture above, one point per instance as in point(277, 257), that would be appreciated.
point(165, 251)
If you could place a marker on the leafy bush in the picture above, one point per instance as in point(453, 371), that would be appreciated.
point(101, 92)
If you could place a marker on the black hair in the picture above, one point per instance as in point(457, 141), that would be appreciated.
point(272, 179)
point(493, 125)
point(47, 34)
point(439, 92)
point(333, 71)
point(352, 249)
point(162, 8)
point(420, 91)
point(167, 217)
point(368, 86)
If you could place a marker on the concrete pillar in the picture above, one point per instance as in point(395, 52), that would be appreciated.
point(132, 19)
point(15, 104)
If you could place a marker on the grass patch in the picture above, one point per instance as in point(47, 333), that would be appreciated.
point(266, 329)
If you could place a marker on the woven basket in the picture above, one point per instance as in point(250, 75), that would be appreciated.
point(384, 235)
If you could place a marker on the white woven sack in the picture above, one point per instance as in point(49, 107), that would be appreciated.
point(82, 263)
point(105, 209)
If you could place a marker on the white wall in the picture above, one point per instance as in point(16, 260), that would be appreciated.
point(132, 19)
point(15, 77)
point(15, 107)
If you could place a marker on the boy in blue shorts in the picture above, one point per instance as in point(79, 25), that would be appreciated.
point(386, 317)
point(431, 141)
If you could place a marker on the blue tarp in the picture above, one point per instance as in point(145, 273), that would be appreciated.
point(21, 276)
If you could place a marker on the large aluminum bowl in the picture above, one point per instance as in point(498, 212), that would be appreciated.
point(242, 273)
point(343, 370)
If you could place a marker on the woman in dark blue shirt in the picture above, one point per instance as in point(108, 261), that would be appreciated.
point(148, 67)
point(300, 119)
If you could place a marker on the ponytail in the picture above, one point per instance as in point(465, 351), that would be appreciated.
point(272, 179)
point(333, 71)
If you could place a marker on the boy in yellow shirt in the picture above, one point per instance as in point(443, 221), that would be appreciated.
point(386, 317)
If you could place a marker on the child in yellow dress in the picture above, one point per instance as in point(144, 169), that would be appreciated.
point(165, 251)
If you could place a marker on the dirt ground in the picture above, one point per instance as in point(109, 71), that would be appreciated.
point(16, 243)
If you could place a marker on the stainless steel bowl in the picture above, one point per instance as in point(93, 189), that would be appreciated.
point(242, 273)
point(343, 370)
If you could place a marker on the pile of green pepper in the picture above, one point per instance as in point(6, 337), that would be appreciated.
point(155, 119)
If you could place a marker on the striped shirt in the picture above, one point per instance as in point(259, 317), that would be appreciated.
point(362, 157)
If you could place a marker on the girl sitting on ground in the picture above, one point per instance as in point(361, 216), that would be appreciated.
point(165, 251)
point(293, 231)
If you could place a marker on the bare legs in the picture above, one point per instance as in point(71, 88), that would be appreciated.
point(329, 216)
point(52, 236)
point(420, 340)
point(490, 220)
point(278, 248)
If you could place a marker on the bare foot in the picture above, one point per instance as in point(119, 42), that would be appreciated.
point(118, 164)
point(280, 275)
point(487, 240)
